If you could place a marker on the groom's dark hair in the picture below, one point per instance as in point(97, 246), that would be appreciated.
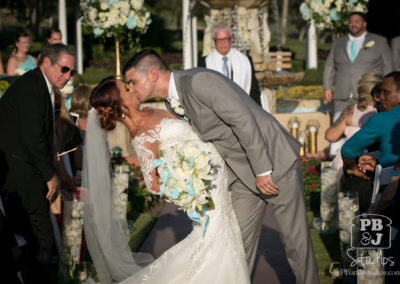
point(144, 60)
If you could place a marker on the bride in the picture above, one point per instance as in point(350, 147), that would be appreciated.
point(212, 253)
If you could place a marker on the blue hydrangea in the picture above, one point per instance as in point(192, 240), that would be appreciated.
point(353, 1)
point(174, 194)
point(98, 32)
point(131, 22)
point(305, 12)
point(334, 15)
point(113, 1)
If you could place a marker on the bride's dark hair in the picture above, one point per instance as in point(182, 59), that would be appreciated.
point(106, 100)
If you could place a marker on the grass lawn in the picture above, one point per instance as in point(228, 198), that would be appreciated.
point(326, 249)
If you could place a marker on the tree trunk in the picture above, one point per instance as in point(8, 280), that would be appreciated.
point(285, 8)
point(302, 33)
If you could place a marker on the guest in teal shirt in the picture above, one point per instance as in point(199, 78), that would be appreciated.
point(383, 127)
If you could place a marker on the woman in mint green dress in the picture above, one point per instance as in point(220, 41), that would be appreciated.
point(20, 61)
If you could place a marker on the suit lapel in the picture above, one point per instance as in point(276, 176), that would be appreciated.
point(344, 47)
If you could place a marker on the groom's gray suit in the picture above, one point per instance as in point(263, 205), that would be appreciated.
point(344, 74)
point(251, 141)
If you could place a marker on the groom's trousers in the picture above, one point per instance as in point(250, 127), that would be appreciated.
point(290, 212)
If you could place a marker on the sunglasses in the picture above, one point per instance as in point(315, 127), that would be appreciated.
point(65, 69)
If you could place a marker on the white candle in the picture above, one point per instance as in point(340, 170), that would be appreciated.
point(295, 124)
point(312, 128)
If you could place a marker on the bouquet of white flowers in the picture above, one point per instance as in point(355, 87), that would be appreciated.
point(114, 17)
point(186, 173)
point(331, 14)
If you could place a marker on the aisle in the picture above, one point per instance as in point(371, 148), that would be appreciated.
point(271, 265)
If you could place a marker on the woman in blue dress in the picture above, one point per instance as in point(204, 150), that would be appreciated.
point(20, 61)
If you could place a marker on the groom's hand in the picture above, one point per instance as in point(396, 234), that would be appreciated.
point(266, 185)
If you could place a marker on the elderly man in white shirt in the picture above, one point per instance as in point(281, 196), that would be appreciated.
point(231, 62)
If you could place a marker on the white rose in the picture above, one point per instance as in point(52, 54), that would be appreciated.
point(137, 4)
point(104, 6)
point(198, 184)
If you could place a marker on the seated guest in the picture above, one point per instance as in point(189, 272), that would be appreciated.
point(231, 62)
point(67, 138)
point(80, 105)
point(53, 36)
point(378, 128)
point(20, 61)
point(376, 93)
point(354, 116)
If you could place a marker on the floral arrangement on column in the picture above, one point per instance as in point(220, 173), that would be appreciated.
point(110, 18)
point(121, 19)
point(331, 14)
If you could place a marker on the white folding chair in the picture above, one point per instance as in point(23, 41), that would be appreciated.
point(382, 177)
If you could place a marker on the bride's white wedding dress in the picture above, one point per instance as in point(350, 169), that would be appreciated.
point(218, 257)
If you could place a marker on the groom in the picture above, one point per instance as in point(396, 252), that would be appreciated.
point(261, 155)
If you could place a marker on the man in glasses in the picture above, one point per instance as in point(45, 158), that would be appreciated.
point(27, 143)
point(231, 62)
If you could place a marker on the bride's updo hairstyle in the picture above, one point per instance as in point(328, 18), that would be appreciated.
point(106, 100)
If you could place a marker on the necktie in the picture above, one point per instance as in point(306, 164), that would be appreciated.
point(353, 51)
point(225, 67)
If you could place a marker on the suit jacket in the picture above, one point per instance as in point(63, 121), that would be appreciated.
point(396, 53)
point(249, 139)
point(344, 74)
point(27, 138)
point(254, 88)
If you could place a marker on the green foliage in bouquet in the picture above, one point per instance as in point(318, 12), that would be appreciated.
point(331, 14)
point(125, 19)
point(3, 87)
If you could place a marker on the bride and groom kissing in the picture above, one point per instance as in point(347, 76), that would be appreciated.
point(259, 166)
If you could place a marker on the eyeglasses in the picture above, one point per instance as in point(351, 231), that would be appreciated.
point(224, 40)
point(65, 69)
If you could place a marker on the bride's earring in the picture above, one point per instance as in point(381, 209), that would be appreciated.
point(123, 115)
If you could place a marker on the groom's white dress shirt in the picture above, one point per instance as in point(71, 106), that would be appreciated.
point(173, 94)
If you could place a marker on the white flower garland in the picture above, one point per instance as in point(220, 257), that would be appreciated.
point(72, 234)
point(329, 199)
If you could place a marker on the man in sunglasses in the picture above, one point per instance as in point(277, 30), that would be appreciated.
point(27, 143)
point(231, 62)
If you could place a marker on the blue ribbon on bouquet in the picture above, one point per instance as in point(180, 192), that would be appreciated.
point(165, 174)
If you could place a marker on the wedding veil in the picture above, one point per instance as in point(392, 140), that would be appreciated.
point(107, 240)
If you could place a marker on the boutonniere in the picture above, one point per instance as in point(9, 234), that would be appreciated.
point(177, 107)
point(369, 44)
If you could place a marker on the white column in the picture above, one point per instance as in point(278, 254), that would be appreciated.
point(194, 41)
point(62, 20)
point(187, 35)
point(79, 53)
point(311, 56)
